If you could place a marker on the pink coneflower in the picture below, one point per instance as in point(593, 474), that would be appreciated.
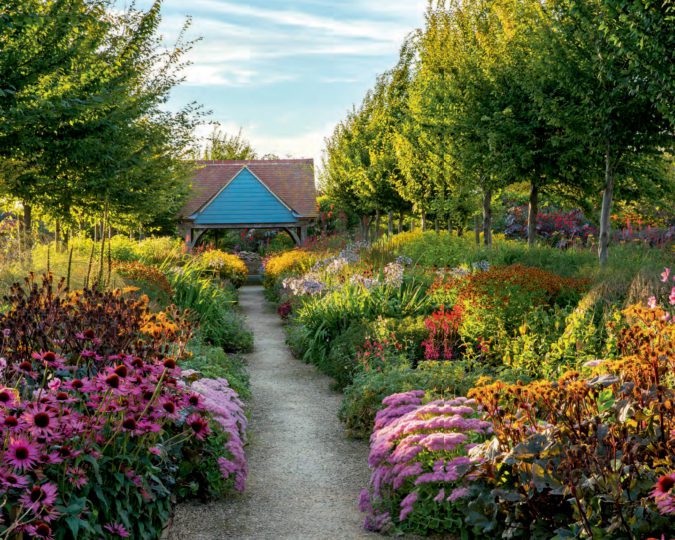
point(10, 480)
point(8, 397)
point(77, 477)
point(12, 423)
point(664, 495)
point(168, 406)
point(42, 421)
point(40, 530)
point(21, 454)
point(40, 497)
point(195, 400)
point(49, 359)
point(199, 426)
point(117, 529)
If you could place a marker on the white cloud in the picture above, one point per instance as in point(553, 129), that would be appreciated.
point(363, 28)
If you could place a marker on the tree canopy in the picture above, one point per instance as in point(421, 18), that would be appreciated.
point(573, 97)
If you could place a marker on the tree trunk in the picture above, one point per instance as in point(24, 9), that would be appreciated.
point(423, 221)
point(476, 228)
point(390, 223)
point(606, 211)
point(532, 211)
point(57, 236)
point(437, 225)
point(400, 222)
point(449, 226)
point(27, 227)
point(377, 225)
point(487, 217)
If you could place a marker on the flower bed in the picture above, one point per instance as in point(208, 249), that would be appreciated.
point(98, 428)
point(589, 455)
point(225, 265)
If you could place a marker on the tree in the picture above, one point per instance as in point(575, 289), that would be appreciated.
point(220, 145)
point(82, 110)
point(611, 105)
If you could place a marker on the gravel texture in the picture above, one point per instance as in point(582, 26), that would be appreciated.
point(304, 474)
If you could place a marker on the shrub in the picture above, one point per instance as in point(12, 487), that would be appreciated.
point(226, 266)
point(296, 261)
point(363, 398)
point(582, 455)
point(212, 308)
point(418, 461)
point(497, 300)
point(157, 250)
point(340, 362)
point(214, 363)
point(151, 275)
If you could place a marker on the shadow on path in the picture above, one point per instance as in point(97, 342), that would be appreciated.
point(304, 474)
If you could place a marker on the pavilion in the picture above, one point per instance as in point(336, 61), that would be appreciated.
point(250, 194)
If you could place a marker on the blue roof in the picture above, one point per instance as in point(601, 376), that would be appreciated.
point(245, 199)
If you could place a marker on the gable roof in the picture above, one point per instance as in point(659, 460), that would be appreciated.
point(291, 180)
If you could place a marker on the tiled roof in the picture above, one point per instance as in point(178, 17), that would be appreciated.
point(292, 180)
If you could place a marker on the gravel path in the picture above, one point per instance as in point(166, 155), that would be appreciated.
point(304, 474)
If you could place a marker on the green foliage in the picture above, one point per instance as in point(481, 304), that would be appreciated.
point(220, 145)
point(83, 125)
point(212, 307)
point(214, 363)
point(363, 398)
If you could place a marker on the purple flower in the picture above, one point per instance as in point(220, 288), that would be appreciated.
point(117, 529)
point(21, 454)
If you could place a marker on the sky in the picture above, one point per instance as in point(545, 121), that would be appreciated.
point(286, 72)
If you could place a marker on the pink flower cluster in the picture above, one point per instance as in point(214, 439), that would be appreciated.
point(55, 425)
point(418, 447)
point(227, 409)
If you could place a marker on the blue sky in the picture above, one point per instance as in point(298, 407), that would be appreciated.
point(286, 72)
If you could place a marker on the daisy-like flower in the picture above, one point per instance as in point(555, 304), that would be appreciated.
point(169, 408)
point(117, 529)
point(672, 296)
point(665, 275)
point(12, 423)
point(21, 454)
point(41, 530)
point(664, 494)
point(10, 480)
point(77, 477)
point(8, 397)
point(40, 497)
point(199, 426)
point(42, 421)
point(652, 302)
point(49, 359)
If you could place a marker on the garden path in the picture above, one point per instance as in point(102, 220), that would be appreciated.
point(304, 474)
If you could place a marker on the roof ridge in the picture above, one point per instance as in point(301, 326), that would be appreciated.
point(252, 161)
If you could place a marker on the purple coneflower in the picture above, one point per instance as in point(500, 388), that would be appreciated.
point(199, 426)
point(40, 497)
point(8, 397)
point(40, 530)
point(42, 421)
point(21, 454)
point(117, 529)
point(664, 495)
